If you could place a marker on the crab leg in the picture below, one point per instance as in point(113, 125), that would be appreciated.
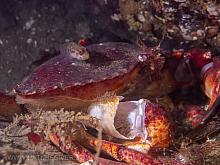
point(70, 142)
point(73, 148)
point(80, 153)
point(119, 152)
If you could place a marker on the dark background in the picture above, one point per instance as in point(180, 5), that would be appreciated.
point(32, 30)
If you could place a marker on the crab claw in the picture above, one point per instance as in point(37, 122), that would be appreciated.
point(211, 80)
point(105, 111)
point(211, 85)
point(158, 126)
point(127, 120)
point(208, 69)
point(213, 110)
point(113, 114)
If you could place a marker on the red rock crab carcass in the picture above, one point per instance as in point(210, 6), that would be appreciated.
point(89, 80)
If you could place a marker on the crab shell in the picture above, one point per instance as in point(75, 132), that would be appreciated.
point(65, 81)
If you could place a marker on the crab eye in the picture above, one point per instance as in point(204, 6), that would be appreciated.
point(80, 52)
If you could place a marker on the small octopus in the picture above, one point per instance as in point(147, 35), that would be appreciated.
point(74, 50)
